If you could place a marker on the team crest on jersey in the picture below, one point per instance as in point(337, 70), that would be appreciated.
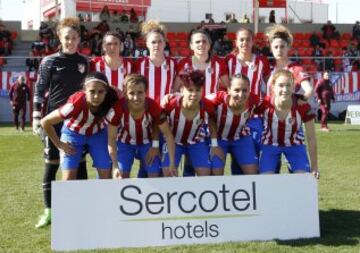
point(122, 70)
point(246, 115)
point(81, 68)
point(166, 67)
point(210, 70)
point(146, 123)
point(253, 67)
point(290, 120)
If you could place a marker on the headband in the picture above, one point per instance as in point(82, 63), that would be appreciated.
point(96, 80)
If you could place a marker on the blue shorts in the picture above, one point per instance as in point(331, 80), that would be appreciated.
point(96, 145)
point(256, 129)
point(127, 152)
point(243, 151)
point(197, 153)
point(296, 156)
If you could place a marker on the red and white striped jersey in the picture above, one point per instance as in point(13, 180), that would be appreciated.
point(115, 77)
point(257, 71)
point(160, 78)
point(229, 125)
point(283, 132)
point(188, 131)
point(298, 73)
point(215, 69)
point(135, 131)
point(77, 116)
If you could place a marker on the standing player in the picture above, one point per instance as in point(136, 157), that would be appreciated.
point(214, 69)
point(188, 114)
point(158, 69)
point(83, 115)
point(280, 39)
point(283, 117)
point(233, 109)
point(136, 115)
point(61, 75)
point(257, 69)
point(115, 67)
point(325, 94)
point(19, 94)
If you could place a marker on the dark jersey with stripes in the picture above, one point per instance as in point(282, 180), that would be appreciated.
point(61, 75)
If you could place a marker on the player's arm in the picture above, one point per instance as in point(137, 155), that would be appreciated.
point(47, 123)
point(312, 146)
point(214, 147)
point(41, 87)
point(112, 148)
point(225, 82)
point(308, 88)
point(170, 142)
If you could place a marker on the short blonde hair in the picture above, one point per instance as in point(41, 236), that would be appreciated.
point(279, 32)
point(153, 26)
point(282, 72)
point(135, 79)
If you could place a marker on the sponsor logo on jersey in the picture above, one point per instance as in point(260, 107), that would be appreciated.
point(81, 68)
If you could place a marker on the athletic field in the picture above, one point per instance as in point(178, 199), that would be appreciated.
point(21, 171)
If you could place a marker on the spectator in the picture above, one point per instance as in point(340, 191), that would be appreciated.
point(80, 17)
point(346, 61)
point(128, 46)
point(87, 17)
point(325, 94)
point(19, 94)
point(318, 52)
point(232, 19)
point(115, 18)
point(329, 62)
point(103, 27)
point(219, 47)
point(124, 17)
point(356, 31)
point(245, 19)
point(295, 56)
point(133, 16)
point(314, 40)
point(328, 30)
point(32, 63)
point(95, 44)
point(105, 14)
point(272, 18)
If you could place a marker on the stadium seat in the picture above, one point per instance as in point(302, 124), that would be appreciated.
point(344, 43)
point(171, 36)
point(307, 36)
point(307, 61)
point(184, 52)
point(172, 43)
point(306, 43)
point(260, 36)
point(183, 43)
point(334, 43)
point(231, 36)
point(297, 44)
point(182, 36)
point(346, 36)
point(13, 35)
point(299, 36)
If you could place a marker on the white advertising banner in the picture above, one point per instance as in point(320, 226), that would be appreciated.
point(167, 211)
point(353, 114)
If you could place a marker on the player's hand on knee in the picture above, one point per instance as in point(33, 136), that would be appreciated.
point(116, 173)
point(67, 148)
point(217, 151)
point(151, 155)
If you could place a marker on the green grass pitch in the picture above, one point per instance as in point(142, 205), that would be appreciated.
point(21, 171)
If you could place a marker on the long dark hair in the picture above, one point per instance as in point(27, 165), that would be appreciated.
point(111, 96)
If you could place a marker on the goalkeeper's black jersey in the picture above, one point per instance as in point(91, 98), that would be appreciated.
point(61, 75)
